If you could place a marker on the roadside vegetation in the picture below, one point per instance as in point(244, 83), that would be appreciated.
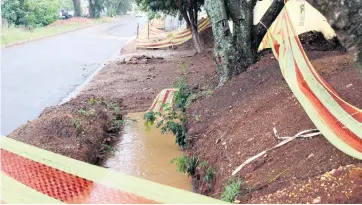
point(25, 20)
point(220, 132)
point(200, 171)
point(16, 34)
point(232, 189)
point(173, 119)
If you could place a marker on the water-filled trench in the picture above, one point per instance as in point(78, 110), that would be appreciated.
point(147, 154)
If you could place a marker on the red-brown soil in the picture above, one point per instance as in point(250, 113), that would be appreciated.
point(131, 87)
point(79, 129)
point(73, 20)
point(138, 84)
point(228, 124)
point(237, 122)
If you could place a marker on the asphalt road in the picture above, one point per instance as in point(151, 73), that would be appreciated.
point(42, 73)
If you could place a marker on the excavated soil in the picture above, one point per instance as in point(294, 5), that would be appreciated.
point(129, 87)
point(228, 125)
point(81, 129)
point(83, 21)
point(237, 122)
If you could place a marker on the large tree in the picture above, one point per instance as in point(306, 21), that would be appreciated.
point(189, 10)
point(95, 8)
point(234, 52)
point(77, 8)
point(117, 7)
point(345, 17)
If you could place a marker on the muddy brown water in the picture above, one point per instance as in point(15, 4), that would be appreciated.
point(147, 154)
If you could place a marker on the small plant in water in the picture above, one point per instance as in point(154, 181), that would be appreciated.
point(109, 148)
point(150, 118)
point(131, 119)
point(186, 164)
point(177, 129)
point(173, 118)
point(232, 189)
point(118, 123)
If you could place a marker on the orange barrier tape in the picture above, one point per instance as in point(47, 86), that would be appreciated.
point(61, 185)
point(161, 39)
point(339, 121)
point(33, 175)
point(164, 98)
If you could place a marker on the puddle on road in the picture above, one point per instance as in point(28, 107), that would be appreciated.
point(147, 154)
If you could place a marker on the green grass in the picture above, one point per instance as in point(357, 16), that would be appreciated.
point(232, 189)
point(12, 35)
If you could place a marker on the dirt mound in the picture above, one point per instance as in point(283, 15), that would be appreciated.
point(80, 129)
point(237, 122)
point(138, 84)
point(228, 125)
point(335, 187)
point(140, 59)
point(83, 128)
point(74, 20)
point(315, 41)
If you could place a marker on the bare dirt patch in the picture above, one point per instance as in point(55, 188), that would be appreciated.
point(82, 128)
point(228, 125)
point(83, 21)
point(137, 82)
point(237, 122)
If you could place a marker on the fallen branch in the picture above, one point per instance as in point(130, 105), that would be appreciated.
point(302, 134)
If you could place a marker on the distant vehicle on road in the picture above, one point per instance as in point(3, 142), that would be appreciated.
point(64, 14)
point(139, 15)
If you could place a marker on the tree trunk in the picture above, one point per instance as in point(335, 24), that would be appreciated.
point(190, 17)
point(77, 8)
point(198, 45)
point(224, 49)
point(94, 8)
point(345, 19)
point(242, 14)
point(234, 53)
point(90, 10)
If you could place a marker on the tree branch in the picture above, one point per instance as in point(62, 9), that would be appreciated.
point(269, 17)
point(183, 13)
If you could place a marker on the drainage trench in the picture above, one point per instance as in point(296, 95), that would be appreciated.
point(147, 154)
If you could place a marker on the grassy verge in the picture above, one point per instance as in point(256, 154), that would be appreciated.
point(13, 35)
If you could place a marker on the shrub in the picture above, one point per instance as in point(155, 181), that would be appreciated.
point(232, 189)
point(41, 12)
point(186, 164)
point(177, 129)
point(32, 13)
point(209, 175)
point(14, 12)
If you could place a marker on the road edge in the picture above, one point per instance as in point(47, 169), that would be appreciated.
point(74, 93)
point(44, 37)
